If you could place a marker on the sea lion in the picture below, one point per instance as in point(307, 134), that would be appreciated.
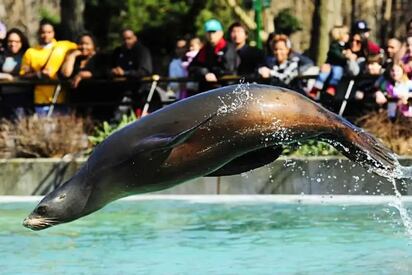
point(221, 132)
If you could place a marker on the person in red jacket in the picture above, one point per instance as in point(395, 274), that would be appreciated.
point(216, 58)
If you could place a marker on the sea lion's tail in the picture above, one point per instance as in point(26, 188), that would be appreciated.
point(363, 148)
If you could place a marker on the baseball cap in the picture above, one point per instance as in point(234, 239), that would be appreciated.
point(213, 25)
point(360, 26)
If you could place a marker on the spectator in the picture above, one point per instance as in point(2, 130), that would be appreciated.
point(407, 57)
point(132, 59)
point(83, 63)
point(15, 45)
point(14, 98)
point(393, 47)
point(215, 58)
point(367, 86)
point(195, 44)
point(396, 91)
point(249, 59)
point(43, 62)
point(3, 33)
point(357, 53)
point(285, 65)
point(409, 26)
point(335, 63)
point(306, 61)
point(177, 70)
point(361, 27)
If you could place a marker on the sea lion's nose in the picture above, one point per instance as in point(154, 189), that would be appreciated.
point(26, 222)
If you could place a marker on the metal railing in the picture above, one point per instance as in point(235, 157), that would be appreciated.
point(154, 81)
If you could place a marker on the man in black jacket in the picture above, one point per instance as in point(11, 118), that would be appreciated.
point(132, 59)
point(249, 59)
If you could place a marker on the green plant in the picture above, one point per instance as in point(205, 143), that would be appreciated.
point(49, 15)
point(286, 23)
point(104, 130)
point(219, 10)
point(311, 148)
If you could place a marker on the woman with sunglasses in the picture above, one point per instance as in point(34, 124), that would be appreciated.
point(357, 52)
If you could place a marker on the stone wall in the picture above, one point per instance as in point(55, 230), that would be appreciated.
point(284, 176)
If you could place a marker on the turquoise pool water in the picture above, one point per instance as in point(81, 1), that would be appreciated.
point(188, 237)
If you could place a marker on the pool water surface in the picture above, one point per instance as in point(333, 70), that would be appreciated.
point(218, 237)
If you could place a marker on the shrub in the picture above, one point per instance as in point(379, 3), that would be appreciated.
point(7, 139)
point(106, 129)
point(310, 148)
point(286, 23)
point(396, 135)
point(35, 136)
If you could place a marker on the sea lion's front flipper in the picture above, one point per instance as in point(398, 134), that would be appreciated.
point(248, 161)
point(165, 142)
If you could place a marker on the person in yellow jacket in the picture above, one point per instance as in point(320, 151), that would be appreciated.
point(43, 62)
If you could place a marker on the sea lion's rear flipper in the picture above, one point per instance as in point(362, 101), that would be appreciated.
point(166, 142)
point(248, 161)
point(363, 148)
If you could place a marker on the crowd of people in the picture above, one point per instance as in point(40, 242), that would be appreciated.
point(382, 74)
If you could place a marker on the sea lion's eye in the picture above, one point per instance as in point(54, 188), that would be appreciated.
point(41, 210)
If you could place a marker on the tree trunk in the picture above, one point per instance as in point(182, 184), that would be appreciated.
point(72, 23)
point(323, 38)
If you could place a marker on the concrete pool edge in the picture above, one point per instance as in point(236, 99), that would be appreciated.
point(295, 199)
point(309, 175)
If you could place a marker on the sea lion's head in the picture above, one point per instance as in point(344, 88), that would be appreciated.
point(66, 203)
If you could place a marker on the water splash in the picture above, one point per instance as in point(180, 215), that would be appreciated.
point(232, 102)
point(403, 212)
point(235, 100)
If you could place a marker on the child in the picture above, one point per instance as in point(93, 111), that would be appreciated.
point(335, 63)
point(195, 44)
point(407, 58)
point(396, 90)
point(366, 87)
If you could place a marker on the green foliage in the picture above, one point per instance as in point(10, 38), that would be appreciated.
point(311, 148)
point(219, 10)
point(158, 23)
point(151, 13)
point(286, 23)
point(106, 129)
point(49, 16)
